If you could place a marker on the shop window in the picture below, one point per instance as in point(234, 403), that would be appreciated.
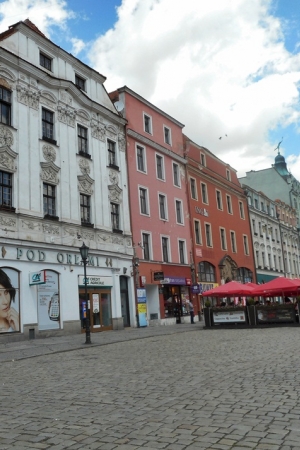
point(49, 302)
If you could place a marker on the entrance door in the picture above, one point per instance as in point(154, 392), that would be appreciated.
point(99, 303)
point(124, 301)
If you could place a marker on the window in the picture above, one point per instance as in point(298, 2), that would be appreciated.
point(5, 106)
point(204, 193)
point(256, 203)
point(206, 272)
point(165, 249)
point(80, 82)
point(45, 61)
point(202, 159)
point(208, 235)
point(228, 175)
point(140, 158)
point(223, 239)
point(233, 242)
point(48, 125)
point(160, 167)
point(82, 140)
point(147, 124)
point(219, 200)
point(257, 258)
point(246, 246)
point(181, 248)
point(244, 275)
point(167, 135)
point(162, 207)
point(179, 215)
point(111, 147)
point(193, 188)
point(115, 216)
point(176, 177)
point(197, 229)
point(262, 206)
point(146, 245)
point(242, 214)
point(229, 206)
point(275, 262)
point(143, 201)
point(49, 199)
point(85, 208)
point(5, 189)
point(254, 227)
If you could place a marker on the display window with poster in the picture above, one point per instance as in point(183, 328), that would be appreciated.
point(49, 302)
point(9, 300)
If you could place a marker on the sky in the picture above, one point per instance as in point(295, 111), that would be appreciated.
point(228, 70)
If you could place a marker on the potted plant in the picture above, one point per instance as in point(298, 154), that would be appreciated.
point(207, 313)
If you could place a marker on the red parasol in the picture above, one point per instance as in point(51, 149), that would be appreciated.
point(280, 286)
point(231, 289)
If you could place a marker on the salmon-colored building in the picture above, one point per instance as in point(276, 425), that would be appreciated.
point(220, 226)
point(159, 206)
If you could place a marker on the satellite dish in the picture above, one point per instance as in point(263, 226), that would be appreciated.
point(119, 105)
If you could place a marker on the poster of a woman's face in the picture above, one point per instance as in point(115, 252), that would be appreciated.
point(9, 301)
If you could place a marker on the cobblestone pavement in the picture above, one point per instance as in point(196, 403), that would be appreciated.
point(169, 388)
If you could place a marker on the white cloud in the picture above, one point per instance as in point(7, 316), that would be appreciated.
point(78, 46)
point(218, 67)
point(43, 13)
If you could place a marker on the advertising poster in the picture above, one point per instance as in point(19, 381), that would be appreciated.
point(229, 317)
point(48, 302)
point(275, 315)
point(9, 300)
point(142, 307)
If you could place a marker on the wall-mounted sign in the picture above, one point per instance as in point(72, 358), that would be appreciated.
point(157, 276)
point(95, 281)
point(201, 211)
point(199, 252)
point(37, 278)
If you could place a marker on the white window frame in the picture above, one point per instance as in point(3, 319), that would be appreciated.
point(179, 201)
point(165, 128)
point(203, 159)
point(161, 194)
point(147, 214)
point(144, 158)
point(159, 156)
point(207, 224)
point(206, 193)
point(225, 239)
point(196, 190)
point(228, 198)
point(233, 241)
point(246, 245)
point(179, 180)
point(200, 232)
point(150, 123)
point(168, 249)
point(242, 210)
point(184, 251)
point(221, 200)
point(228, 175)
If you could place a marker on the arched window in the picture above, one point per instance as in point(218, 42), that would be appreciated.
point(244, 275)
point(206, 272)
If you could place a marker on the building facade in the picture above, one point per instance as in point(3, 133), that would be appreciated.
point(159, 207)
point(220, 227)
point(63, 182)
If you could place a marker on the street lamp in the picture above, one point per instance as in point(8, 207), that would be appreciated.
point(84, 252)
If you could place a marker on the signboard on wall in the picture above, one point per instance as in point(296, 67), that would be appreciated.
point(49, 302)
point(37, 278)
point(142, 307)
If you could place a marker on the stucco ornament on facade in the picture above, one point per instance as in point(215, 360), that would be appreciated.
point(122, 142)
point(49, 153)
point(84, 167)
point(85, 183)
point(50, 172)
point(30, 225)
point(111, 132)
point(6, 136)
point(50, 229)
point(101, 237)
point(28, 97)
point(7, 221)
point(7, 159)
point(66, 114)
point(48, 99)
point(113, 177)
point(115, 193)
point(98, 129)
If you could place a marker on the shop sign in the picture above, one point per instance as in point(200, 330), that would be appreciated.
point(37, 278)
point(157, 276)
point(201, 211)
point(199, 252)
point(229, 317)
point(195, 289)
point(142, 280)
point(188, 281)
point(95, 281)
point(174, 280)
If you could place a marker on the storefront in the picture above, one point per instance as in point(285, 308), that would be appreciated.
point(176, 297)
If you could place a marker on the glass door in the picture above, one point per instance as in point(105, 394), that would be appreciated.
point(99, 305)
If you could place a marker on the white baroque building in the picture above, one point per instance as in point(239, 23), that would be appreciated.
point(63, 181)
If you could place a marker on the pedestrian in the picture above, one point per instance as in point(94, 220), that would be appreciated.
point(191, 311)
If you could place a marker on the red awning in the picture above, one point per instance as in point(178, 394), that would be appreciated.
point(231, 289)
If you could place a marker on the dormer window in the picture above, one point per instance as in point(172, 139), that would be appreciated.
point(45, 61)
point(80, 82)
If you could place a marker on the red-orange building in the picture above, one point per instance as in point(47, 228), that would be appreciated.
point(220, 226)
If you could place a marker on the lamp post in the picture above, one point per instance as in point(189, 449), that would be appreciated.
point(84, 252)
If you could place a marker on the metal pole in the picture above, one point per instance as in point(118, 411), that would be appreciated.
point(87, 321)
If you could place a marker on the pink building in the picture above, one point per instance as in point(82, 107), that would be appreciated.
point(159, 206)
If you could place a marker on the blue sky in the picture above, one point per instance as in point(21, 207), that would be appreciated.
point(221, 68)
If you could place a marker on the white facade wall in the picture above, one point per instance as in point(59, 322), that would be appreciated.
point(25, 233)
